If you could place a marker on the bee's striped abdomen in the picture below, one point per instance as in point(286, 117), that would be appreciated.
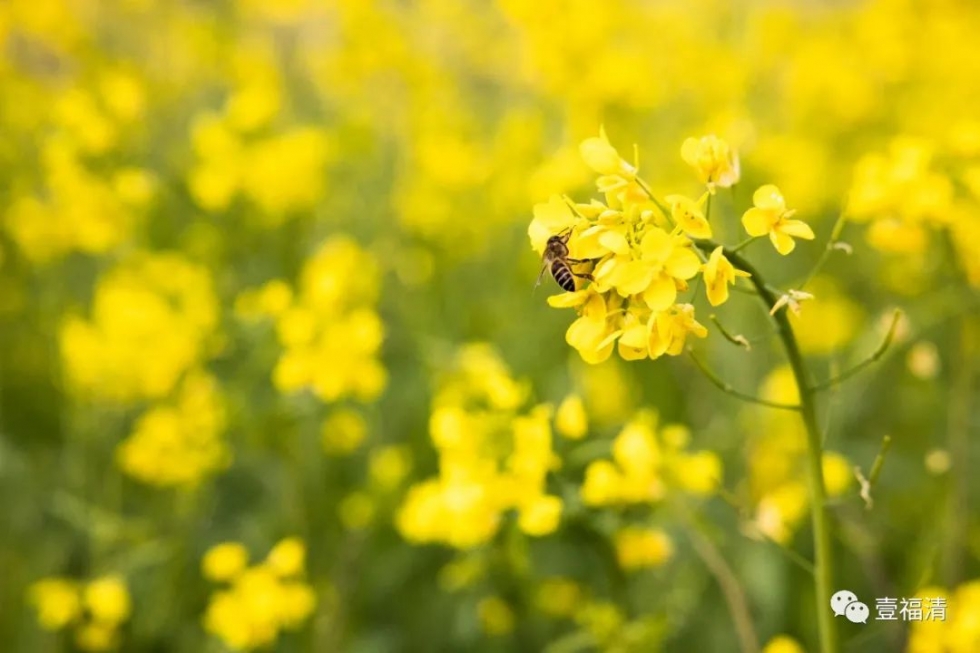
point(563, 275)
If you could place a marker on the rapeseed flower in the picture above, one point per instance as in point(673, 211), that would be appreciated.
point(95, 609)
point(770, 217)
point(713, 159)
point(260, 601)
point(719, 274)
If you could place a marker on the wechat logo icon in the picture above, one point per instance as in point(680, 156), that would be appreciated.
point(845, 603)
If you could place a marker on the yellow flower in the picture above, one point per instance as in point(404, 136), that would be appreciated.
point(713, 160)
point(633, 344)
point(57, 600)
point(838, 474)
point(356, 511)
point(669, 329)
point(287, 557)
point(571, 420)
point(179, 442)
point(637, 548)
point(665, 262)
point(550, 218)
point(388, 466)
point(343, 431)
point(602, 157)
point(770, 216)
point(107, 600)
point(540, 516)
point(496, 617)
point(601, 484)
point(558, 597)
point(783, 644)
point(593, 334)
point(224, 561)
point(689, 215)
point(698, 473)
point(719, 273)
point(297, 602)
point(96, 636)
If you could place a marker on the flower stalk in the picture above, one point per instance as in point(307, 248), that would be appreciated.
point(823, 552)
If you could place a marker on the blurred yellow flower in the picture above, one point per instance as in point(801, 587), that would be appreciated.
point(698, 473)
point(357, 511)
point(602, 157)
point(783, 644)
point(224, 561)
point(558, 597)
point(179, 442)
point(540, 515)
point(258, 602)
point(388, 466)
point(770, 217)
point(496, 617)
point(96, 608)
point(107, 600)
point(637, 548)
point(343, 431)
point(838, 474)
point(288, 557)
point(58, 602)
point(156, 302)
point(712, 158)
point(571, 420)
point(97, 636)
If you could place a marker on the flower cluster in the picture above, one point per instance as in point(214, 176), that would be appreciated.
point(493, 457)
point(95, 610)
point(643, 253)
point(959, 632)
point(647, 462)
point(153, 318)
point(258, 601)
point(83, 194)
point(330, 334)
point(179, 442)
point(281, 174)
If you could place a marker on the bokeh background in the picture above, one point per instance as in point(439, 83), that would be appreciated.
point(264, 267)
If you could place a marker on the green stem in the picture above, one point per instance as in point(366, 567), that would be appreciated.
point(726, 387)
point(831, 246)
point(738, 605)
point(873, 358)
point(823, 553)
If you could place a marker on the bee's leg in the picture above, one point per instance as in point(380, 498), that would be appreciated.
point(582, 260)
point(544, 268)
point(584, 275)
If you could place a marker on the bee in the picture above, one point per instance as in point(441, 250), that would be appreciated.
point(556, 260)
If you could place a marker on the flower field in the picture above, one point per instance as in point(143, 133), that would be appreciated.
point(276, 374)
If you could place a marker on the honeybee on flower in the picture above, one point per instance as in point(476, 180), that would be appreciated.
point(646, 251)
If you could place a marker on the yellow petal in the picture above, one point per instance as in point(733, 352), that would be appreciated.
point(615, 241)
point(784, 244)
point(769, 197)
point(796, 228)
point(660, 294)
point(757, 222)
point(656, 245)
point(716, 289)
point(569, 299)
point(682, 263)
point(634, 279)
point(689, 151)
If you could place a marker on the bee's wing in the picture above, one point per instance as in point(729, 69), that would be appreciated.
point(544, 268)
